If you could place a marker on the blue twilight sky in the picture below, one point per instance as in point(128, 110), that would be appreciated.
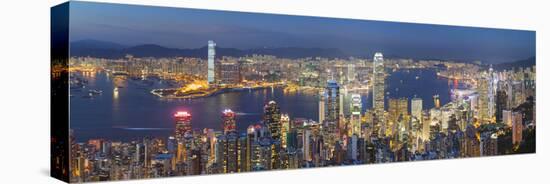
point(191, 28)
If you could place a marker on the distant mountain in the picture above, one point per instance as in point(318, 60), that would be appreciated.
point(96, 44)
point(110, 50)
point(516, 64)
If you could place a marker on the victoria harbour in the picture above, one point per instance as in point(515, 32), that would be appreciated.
point(196, 92)
point(133, 113)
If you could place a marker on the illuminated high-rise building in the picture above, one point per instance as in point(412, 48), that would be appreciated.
point(272, 119)
point(397, 109)
point(321, 107)
point(229, 123)
point(332, 111)
point(501, 104)
point(517, 127)
point(231, 153)
point(183, 124)
point(355, 119)
point(491, 90)
point(285, 128)
point(416, 108)
point(378, 88)
point(229, 71)
point(211, 58)
point(332, 101)
point(483, 100)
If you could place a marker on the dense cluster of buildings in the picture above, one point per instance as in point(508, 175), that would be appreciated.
point(500, 104)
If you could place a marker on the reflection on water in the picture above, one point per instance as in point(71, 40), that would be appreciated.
point(141, 114)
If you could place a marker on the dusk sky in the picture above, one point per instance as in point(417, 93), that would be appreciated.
point(190, 28)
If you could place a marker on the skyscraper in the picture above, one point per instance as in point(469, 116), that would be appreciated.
point(501, 104)
point(332, 111)
point(272, 119)
point(483, 101)
point(183, 124)
point(285, 127)
point(517, 127)
point(231, 153)
point(355, 119)
point(378, 88)
point(321, 107)
point(397, 109)
point(230, 72)
point(416, 108)
point(229, 124)
point(211, 58)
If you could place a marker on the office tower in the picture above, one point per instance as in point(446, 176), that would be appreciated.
point(221, 152)
point(321, 107)
point(351, 72)
point(332, 109)
point(416, 108)
point(261, 154)
point(183, 124)
point(243, 153)
point(517, 127)
point(397, 109)
point(229, 123)
point(378, 90)
point(501, 105)
point(491, 91)
point(251, 138)
point(507, 117)
point(437, 103)
point(332, 101)
point(211, 58)
point(272, 119)
point(483, 101)
point(229, 72)
point(285, 128)
point(355, 119)
point(231, 152)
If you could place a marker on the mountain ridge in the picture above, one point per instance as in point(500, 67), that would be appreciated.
point(112, 50)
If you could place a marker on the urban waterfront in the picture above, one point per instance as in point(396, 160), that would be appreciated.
point(133, 113)
point(251, 97)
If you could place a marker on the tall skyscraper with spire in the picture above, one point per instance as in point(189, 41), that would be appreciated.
point(378, 88)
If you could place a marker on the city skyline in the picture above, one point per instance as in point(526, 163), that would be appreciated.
point(248, 31)
point(137, 116)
